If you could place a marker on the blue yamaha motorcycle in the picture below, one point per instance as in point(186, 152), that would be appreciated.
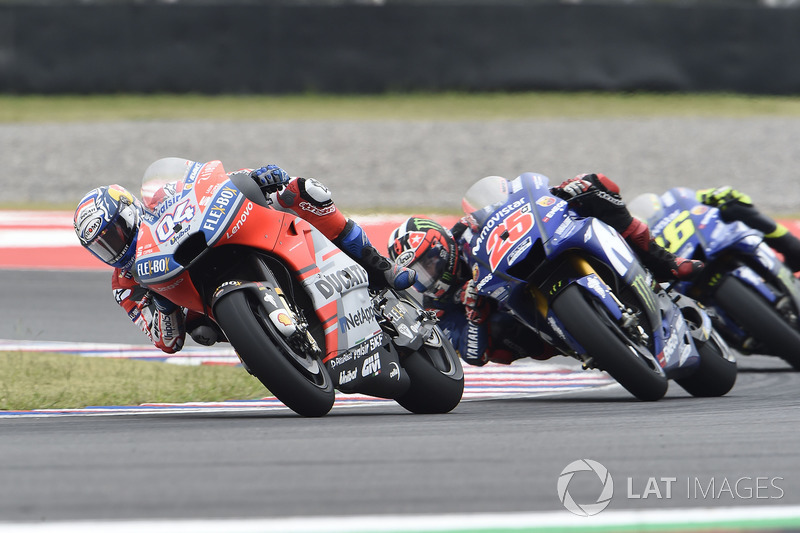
point(580, 287)
point(755, 298)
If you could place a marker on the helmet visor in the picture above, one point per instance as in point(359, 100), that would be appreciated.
point(429, 268)
point(112, 243)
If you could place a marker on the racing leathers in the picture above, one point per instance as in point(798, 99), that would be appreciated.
point(166, 324)
point(734, 205)
point(479, 334)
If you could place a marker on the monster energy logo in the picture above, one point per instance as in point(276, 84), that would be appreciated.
point(422, 223)
point(555, 288)
point(640, 286)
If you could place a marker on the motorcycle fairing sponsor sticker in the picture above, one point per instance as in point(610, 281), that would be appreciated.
point(221, 210)
point(345, 367)
point(341, 281)
point(593, 284)
point(152, 269)
point(172, 221)
point(508, 233)
point(615, 248)
point(497, 218)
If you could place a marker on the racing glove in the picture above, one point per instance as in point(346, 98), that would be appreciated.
point(167, 330)
point(595, 195)
point(270, 178)
point(475, 306)
point(722, 196)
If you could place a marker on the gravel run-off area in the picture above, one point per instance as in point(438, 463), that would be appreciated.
point(416, 165)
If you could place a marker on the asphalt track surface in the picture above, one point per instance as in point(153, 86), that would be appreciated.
point(485, 456)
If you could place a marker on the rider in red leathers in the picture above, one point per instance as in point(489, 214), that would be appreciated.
point(107, 223)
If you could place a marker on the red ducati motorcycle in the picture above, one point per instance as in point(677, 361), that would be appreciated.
point(298, 311)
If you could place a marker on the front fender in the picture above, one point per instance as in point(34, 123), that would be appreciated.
point(592, 285)
point(269, 297)
point(751, 278)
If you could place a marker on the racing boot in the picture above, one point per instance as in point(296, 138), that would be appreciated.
point(355, 243)
point(661, 262)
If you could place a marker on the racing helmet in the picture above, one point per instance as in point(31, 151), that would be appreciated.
point(646, 206)
point(107, 224)
point(428, 248)
point(485, 192)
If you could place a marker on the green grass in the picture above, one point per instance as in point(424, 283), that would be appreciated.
point(61, 381)
point(416, 106)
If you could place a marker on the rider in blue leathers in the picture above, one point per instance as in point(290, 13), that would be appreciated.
point(734, 205)
point(442, 261)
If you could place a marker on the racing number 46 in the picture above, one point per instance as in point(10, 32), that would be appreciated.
point(676, 233)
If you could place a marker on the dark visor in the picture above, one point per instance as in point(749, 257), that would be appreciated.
point(429, 267)
point(112, 242)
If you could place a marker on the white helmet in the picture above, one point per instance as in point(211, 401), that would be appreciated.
point(485, 192)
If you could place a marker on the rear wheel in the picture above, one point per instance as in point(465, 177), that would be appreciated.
point(297, 379)
point(437, 378)
point(758, 318)
point(609, 346)
point(716, 373)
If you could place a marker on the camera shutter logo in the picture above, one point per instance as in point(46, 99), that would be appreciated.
point(587, 509)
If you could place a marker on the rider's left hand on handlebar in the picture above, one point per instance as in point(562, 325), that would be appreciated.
point(270, 178)
point(573, 187)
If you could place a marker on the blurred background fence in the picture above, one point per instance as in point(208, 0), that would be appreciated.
point(274, 47)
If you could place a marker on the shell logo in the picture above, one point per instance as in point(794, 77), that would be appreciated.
point(284, 319)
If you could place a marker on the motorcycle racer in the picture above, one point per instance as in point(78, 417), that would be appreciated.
point(443, 263)
point(734, 205)
point(107, 221)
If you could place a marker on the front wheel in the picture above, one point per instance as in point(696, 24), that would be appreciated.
point(758, 318)
point(716, 373)
point(437, 377)
point(297, 379)
point(594, 328)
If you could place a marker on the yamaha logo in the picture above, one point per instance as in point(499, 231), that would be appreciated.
point(586, 509)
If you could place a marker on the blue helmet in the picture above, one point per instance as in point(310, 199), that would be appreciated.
point(107, 224)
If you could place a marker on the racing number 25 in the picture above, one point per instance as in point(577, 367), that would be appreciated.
point(676, 233)
point(507, 233)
